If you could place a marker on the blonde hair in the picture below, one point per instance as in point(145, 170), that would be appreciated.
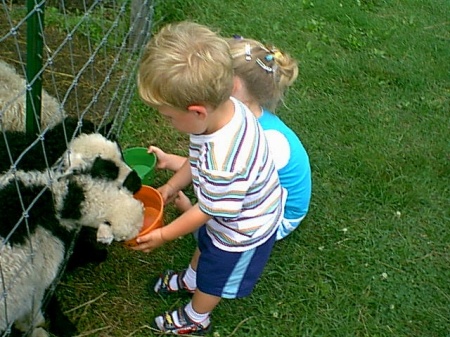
point(185, 64)
point(265, 70)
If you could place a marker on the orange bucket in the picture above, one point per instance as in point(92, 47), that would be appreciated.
point(153, 214)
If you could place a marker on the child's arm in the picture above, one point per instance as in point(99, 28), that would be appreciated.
point(165, 160)
point(186, 223)
point(179, 180)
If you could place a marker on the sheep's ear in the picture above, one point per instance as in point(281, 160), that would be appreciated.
point(132, 182)
point(70, 124)
point(104, 169)
point(87, 126)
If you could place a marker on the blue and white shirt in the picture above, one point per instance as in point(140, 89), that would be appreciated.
point(236, 182)
point(292, 162)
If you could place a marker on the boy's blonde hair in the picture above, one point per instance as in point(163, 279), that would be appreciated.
point(186, 64)
point(265, 70)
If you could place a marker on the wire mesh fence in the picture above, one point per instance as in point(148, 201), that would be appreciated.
point(59, 60)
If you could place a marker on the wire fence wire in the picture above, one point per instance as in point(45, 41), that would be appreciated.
point(89, 59)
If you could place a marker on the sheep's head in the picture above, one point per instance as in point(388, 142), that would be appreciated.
point(101, 158)
point(100, 204)
point(123, 221)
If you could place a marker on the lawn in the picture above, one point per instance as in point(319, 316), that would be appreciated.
point(371, 106)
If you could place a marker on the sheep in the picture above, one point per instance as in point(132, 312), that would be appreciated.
point(87, 154)
point(56, 145)
point(90, 150)
point(13, 98)
point(27, 152)
point(33, 246)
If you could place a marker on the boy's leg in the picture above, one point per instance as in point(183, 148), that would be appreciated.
point(204, 303)
point(220, 274)
point(185, 280)
point(194, 318)
point(194, 259)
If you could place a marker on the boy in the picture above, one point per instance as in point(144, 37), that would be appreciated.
point(186, 73)
point(262, 75)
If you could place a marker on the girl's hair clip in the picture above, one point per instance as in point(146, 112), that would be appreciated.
point(277, 54)
point(238, 37)
point(264, 66)
point(248, 52)
point(274, 55)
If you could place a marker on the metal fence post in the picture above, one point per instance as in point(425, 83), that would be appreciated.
point(35, 31)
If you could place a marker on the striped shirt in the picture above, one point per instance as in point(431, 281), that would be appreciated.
point(236, 182)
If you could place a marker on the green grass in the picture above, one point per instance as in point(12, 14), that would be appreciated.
point(371, 106)
point(93, 26)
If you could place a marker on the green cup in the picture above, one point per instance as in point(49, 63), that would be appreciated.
point(142, 162)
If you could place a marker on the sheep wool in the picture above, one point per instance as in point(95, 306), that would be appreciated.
point(99, 156)
point(13, 99)
point(28, 153)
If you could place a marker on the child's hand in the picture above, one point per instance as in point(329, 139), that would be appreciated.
point(168, 193)
point(150, 241)
point(163, 159)
point(182, 202)
point(167, 161)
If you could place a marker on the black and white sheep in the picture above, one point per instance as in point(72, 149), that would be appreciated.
point(26, 152)
point(36, 234)
point(89, 154)
point(13, 90)
point(87, 151)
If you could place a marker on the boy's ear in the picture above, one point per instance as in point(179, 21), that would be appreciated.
point(200, 110)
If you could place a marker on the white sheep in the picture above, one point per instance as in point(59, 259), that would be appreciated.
point(33, 246)
point(13, 102)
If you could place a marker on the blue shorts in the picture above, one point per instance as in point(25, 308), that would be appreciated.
point(229, 274)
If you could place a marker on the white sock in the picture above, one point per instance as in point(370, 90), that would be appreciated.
point(190, 279)
point(195, 316)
